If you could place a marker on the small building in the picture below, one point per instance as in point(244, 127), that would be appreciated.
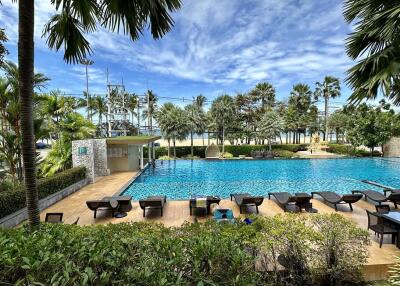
point(105, 156)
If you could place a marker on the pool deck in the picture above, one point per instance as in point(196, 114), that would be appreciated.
point(177, 212)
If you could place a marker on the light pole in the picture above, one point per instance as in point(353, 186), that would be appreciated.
point(86, 63)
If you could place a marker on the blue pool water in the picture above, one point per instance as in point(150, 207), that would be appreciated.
point(179, 179)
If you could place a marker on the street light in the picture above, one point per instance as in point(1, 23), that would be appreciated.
point(86, 63)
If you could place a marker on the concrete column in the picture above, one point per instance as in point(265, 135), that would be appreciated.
point(154, 150)
point(141, 157)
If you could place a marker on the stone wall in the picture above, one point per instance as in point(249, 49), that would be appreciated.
point(82, 159)
point(392, 148)
point(100, 157)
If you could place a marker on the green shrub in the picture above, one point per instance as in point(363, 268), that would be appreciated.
point(284, 153)
point(207, 253)
point(349, 150)
point(227, 155)
point(235, 150)
point(12, 200)
point(165, 158)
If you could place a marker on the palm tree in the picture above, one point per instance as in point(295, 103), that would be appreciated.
point(66, 30)
point(375, 43)
point(163, 119)
point(223, 111)
point(132, 105)
point(200, 100)
point(264, 92)
point(149, 112)
point(329, 88)
point(301, 99)
point(99, 105)
point(271, 125)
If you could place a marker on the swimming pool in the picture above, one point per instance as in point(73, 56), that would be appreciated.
point(181, 178)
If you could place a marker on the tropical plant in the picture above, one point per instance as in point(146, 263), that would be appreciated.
point(58, 159)
point(264, 92)
point(99, 105)
point(3, 39)
point(374, 43)
point(329, 88)
point(270, 126)
point(223, 114)
point(10, 151)
point(339, 122)
point(150, 110)
point(66, 29)
point(132, 105)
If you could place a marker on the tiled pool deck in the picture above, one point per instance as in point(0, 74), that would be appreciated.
point(177, 212)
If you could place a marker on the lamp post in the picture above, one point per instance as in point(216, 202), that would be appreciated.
point(86, 63)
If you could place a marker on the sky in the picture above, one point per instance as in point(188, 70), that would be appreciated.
point(215, 47)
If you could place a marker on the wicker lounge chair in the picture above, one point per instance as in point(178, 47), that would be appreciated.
point(293, 203)
point(115, 204)
point(379, 198)
point(336, 199)
point(209, 200)
point(153, 202)
point(54, 217)
point(244, 200)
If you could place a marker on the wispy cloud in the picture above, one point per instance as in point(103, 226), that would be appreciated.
point(216, 45)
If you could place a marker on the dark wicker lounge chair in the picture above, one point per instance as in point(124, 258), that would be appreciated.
point(54, 217)
point(244, 200)
point(153, 202)
point(336, 199)
point(210, 200)
point(378, 226)
point(115, 204)
point(293, 203)
point(380, 198)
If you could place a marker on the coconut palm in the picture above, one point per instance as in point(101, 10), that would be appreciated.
point(163, 119)
point(329, 88)
point(265, 93)
point(200, 100)
point(223, 112)
point(66, 30)
point(375, 44)
point(132, 104)
point(99, 105)
point(270, 126)
point(151, 107)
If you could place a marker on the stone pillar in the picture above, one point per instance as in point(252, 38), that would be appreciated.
point(141, 157)
point(154, 151)
point(149, 152)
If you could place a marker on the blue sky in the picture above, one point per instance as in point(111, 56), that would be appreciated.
point(216, 47)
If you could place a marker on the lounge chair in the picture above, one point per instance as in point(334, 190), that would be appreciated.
point(54, 217)
point(293, 203)
point(115, 204)
point(336, 199)
point(379, 198)
point(153, 202)
point(202, 202)
point(246, 200)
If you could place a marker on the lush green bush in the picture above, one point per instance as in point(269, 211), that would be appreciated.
point(12, 200)
point(227, 155)
point(235, 150)
point(349, 150)
point(281, 250)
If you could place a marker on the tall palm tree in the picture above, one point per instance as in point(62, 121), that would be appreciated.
point(301, 99)
point(132, 105)
point(100, 107)
point(223, 111)
point(375, 43)
point(329, 88)
point(200, 100)
point(66, 29)
point(265, 93)
point(151, 108)
point(163, 119)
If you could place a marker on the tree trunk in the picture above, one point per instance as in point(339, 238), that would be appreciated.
point(191, 143)
point(169, 148)
point(326, 116)
point(26, 66)
point(174, 141)
point(223, 139)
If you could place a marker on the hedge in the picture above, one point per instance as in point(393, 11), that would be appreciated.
point(14, 200)
point(235, 150)
point(318, 250)
point(349, 150)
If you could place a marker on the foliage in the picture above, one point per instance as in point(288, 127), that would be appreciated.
point(194, 254)
point(374, 43)
point(12, 197)
point(3, 38)
point(270, 126)
point(227, 155)
point(394, 272)
point(163, 158)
